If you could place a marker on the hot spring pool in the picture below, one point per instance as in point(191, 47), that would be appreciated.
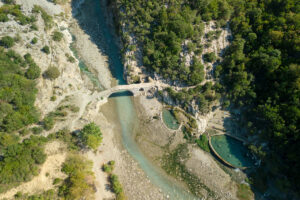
point(232, 151)
point(170, 120)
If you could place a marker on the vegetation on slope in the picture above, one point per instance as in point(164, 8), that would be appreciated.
point(17, 92)
point(19, 161)
point(15, 10)
point(80, 181)
point(260, 72)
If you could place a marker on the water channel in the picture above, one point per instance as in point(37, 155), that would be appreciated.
point(125, 107)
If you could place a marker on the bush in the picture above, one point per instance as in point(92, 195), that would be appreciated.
point(209, 57)
point(48, 123)
point(70, 58)
point(46, 49)
point(117, 187)
point(203, 143)
point(33, 72)
point(52, 73)
point(53, 98)
point(48, 20)
point(56, 181)
point(57, 36)
point(91, 136)
point(7, 41)
point(80, 181)
point(37, 130)
point(74, 109)
point(109, 167)
point(34, 27)
point(3, 17)
point(24, 132)
point(34, 40)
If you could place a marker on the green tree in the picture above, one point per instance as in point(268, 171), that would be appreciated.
point(91, 136)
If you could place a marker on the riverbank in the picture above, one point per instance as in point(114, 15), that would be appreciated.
point(156, 141)
point(135, 183)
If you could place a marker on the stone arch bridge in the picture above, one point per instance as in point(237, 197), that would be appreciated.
point(135, 89)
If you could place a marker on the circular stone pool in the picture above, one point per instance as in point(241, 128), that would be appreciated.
point(170, 120)
point(231, 151)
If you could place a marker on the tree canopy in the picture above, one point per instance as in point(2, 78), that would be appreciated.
point(91, 136)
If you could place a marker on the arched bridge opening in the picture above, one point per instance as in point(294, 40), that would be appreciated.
point(121, 93)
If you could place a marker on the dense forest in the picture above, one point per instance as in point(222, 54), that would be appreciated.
point(259, 72)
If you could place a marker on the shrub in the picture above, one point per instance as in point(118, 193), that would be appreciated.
point(24, 132)
point(48, 20)
point(34, 27)
point(7, 41)
point(91, 136)
point(8, 139)
point(117, 187)
point(203, 143)
point(46, 49)
point(71, 59)
point(56, 181)
point(33, 72)
point(57, 36)
point(52, 73)
point(209, 57)
point(34, 40)
point(109, 167)
point(74, 109)
point(37, 130)
point(3, 17)
point(48, 123)
point(53, 98)
point(80, 181)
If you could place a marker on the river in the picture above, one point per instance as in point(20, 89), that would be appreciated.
point(124, 104)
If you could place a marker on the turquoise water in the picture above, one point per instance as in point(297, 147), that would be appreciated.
point(231, 150)
point(169, 119)
point(125, 108)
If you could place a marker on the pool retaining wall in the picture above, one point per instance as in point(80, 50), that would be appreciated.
point(218, 156)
